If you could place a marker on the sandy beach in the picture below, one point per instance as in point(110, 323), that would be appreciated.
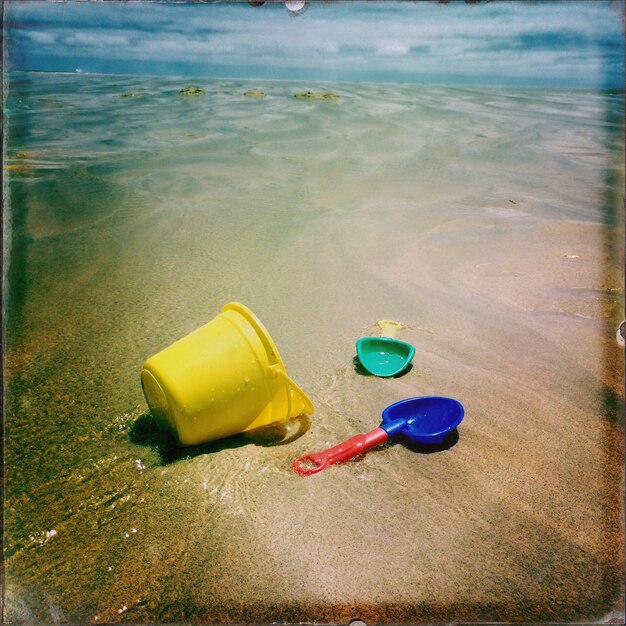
point(488, 221)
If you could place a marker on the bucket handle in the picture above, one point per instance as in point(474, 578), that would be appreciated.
point(276, 370)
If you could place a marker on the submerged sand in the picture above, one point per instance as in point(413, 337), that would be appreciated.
point(488, 222)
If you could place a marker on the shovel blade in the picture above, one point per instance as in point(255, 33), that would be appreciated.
point(426, 420)
point(383, 356)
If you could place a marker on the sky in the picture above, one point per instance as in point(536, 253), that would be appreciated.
point(570, 44)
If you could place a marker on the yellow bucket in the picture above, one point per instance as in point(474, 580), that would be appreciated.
point(224, 378)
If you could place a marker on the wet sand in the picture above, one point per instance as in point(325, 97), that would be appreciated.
point(489, 223)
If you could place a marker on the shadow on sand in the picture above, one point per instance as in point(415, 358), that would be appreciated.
point(145, 432)
point(359, 369)
point(423, 448)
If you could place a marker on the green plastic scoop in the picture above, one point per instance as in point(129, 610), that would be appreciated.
point(385, 356)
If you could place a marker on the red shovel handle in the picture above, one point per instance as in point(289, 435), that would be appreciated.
point(344, 451)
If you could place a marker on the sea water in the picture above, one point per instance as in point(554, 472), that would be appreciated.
point(486, 220)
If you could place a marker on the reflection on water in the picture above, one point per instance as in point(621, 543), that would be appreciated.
point(488, 221)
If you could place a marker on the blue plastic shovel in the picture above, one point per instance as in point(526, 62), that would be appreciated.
point(427, 420)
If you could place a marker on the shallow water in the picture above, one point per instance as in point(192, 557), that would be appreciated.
point(487, 221)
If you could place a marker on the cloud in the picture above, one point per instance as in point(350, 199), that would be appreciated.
point(352, 38)
point(393, 49)
point(98, 41)
point(41, 38)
